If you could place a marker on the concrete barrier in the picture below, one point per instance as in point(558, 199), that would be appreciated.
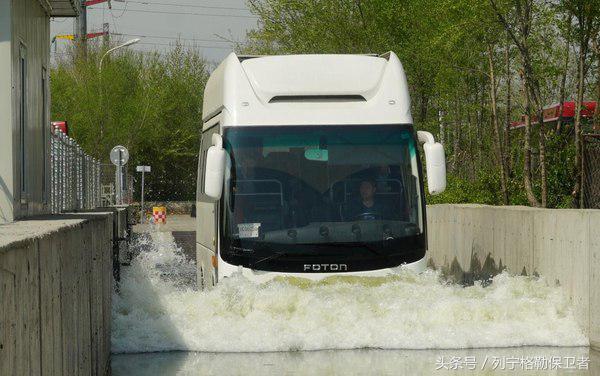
point(123, 221)
point(55, 288)
point(476, 241)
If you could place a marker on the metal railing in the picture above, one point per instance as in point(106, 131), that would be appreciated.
point(74, 175)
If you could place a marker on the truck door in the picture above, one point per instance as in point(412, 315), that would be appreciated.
point(206, 219)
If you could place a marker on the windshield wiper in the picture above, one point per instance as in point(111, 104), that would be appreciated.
point(352, 245)
point(274, 256)
point(277, 255)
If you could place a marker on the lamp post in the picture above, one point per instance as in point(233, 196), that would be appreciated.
point(143, 170)
point(128, 43)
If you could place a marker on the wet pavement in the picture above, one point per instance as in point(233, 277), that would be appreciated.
point(183, 228)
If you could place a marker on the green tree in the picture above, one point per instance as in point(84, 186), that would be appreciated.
point(149, 103)
point(452, 51)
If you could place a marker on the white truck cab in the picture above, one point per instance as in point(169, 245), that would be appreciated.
point(309, 167)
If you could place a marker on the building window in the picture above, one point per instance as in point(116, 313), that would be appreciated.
point(23, 120)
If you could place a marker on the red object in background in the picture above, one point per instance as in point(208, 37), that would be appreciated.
point(551, 113)
point(62, 126)
point(95, 35)
point(89, 3)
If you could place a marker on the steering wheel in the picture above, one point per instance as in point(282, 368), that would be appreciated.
point(367, 216)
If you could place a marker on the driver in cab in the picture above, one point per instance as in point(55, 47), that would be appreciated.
point(367, 207)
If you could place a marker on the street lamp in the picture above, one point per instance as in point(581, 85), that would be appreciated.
point(143, 170)
point(128, 43)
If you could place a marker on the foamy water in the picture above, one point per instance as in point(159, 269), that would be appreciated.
point(157, 310)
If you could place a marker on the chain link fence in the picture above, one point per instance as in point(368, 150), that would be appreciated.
point(591, 171)
point(74, 175)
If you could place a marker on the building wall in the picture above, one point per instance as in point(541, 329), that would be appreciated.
point(24, 161)
point(6, 119)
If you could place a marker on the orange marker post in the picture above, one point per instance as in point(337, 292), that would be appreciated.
point(159, 213)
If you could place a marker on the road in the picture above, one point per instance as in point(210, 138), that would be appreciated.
point(183, 228)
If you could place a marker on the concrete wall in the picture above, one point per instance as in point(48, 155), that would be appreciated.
point(475, 241)
point(55, 288)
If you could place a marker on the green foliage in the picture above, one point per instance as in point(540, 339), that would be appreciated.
point(485, 187)
point(149, 103)
point(444, 46)
point(484, 190)
point(561, 154)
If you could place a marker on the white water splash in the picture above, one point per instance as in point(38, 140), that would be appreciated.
point(156, 311)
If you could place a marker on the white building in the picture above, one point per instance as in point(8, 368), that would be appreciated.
point(25, 103)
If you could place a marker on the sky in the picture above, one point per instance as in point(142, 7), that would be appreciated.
point(201, 24)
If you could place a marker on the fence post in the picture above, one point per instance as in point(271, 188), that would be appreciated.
point(52, 169)
point(80, 202)
point(69, 174)
point(54, 173)
point(63, 178)
point(65, 174)
point(86, 181)
point(73, 170)
point(94, 182)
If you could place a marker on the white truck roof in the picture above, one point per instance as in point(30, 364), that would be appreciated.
point(308, 89)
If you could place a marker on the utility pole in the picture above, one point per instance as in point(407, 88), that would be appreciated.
point(81, 30)
point(81, 25)
point(106, 36)
point(143, 170)
point(119, 157)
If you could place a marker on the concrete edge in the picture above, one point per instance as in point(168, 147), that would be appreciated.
point(23, 236)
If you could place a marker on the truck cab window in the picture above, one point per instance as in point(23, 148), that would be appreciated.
point(301, 187)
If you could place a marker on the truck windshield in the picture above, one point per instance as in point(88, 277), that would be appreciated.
point(346, 194)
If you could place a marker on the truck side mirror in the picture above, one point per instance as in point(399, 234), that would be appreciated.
point(435, 162)
point(214, 168)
